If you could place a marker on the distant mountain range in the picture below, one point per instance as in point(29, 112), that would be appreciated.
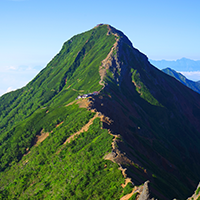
point(183, 64)
point(180, 77)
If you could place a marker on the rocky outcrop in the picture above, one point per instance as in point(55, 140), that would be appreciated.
point(140, 193)
point(145, 192)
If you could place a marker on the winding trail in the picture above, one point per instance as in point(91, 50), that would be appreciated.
point(84, 128)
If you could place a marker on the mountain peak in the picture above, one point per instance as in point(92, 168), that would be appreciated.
point(97, 107)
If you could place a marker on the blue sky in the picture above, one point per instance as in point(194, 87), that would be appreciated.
point(33, 31)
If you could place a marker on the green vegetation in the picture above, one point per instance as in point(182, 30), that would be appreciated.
point(142, 89)
point(75, 68)
point(128, 189)
point(23, 135)
point(76, 171)
point(198, 191)
point(134, 196)
point(50, 169)
point(156, 117)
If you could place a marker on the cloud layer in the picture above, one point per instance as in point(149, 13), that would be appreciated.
point(192, 75)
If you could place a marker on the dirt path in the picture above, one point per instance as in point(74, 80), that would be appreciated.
point(84, 128)
point(70, 103)
point(128, 196)
point(40, 138)
point(59, 124)
point(117, 157)
point(127, 180)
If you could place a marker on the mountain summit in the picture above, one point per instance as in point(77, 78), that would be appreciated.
point(100, 122)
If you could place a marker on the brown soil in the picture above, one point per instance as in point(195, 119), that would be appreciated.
point(70, 103)
point(69, 86)
point(117, 157)
point(128, 196)
point(40, 138)
point(84, 103)
point(127, 180)
point(59, 124)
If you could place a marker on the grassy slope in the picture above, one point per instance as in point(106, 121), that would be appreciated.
point(72, 71)
point(78, 171)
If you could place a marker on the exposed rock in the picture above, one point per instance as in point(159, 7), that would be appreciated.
point(145, 193)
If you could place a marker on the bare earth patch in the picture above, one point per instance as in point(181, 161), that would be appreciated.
point(59, 124)
point(84, 103)
point(40, 138)
point(128, 196)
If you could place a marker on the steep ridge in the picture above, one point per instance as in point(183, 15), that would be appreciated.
point(149, 127)
point(158, 120)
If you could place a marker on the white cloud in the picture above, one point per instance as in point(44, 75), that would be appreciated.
point(9, 89)
point(192, 75)
point(12, 68)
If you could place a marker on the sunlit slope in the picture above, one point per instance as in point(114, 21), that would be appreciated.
point(53, 169)
point(74, 70)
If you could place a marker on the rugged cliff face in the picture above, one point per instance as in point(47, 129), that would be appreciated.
point(135, 135)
